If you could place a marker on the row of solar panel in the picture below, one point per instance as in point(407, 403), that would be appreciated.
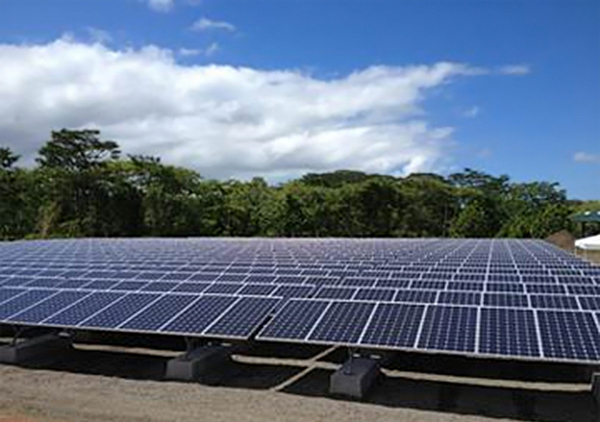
point(541, 285)
point(201, 260)
point(209, 315)
point(537, 300)
point(511, 250)
point(237, 275)
point(541, 334)
point(317, 261)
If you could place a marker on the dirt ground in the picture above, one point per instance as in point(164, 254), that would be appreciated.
point(100, 383)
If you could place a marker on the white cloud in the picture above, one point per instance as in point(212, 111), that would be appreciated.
point(161, 5)
point(224, 121)
point(189, 52)
point(193, 52)
point(99, 35)
point(586, 157)
point(205, 24)
point(212, 49)
point(472, 112)
point(515, 69)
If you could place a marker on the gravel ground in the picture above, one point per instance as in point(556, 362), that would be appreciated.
point(42, 395)
point(94, 383)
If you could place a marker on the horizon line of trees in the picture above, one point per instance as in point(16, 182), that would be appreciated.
point(82, 186)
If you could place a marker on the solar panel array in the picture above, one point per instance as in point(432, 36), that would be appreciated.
point(511, 298)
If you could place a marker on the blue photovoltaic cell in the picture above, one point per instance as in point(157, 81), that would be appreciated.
point(449, 328)
point(72, 283)
point(505, 300)
point(545, 288)
point(200, 315)
point(294, 320)
point(428, 284)
point(159, 313)
point(358, 282)
point(151, 275)
point(203, 277)
point(120, 311)
point(575, 280)
point(290, 280)
point(343, 322)
point(459, 298)
point(131, 286)
point(84, 309)
point(231, 278)
point(257, 289)
point(243, 318)
point(394, 324)
point(335, 293)
point(569, 335)
point(380, 295)
point(395, 283)
point(100, 284)
point(466, 286)
point(48, 307)
point(509, 332)
point(223, 288)
point(418, 296)
point(323, 281)
point(176, 276)
point(293, 291)
point(8, 293)
point(17, 281)
point(581, 289)
point(554, 302)
point(260, 278)
point(505, 287)
point(22, 302)
point(589, 302)
point(45, 282)
point(192, 287)
point(159, 286)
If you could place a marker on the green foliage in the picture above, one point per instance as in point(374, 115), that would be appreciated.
point(82, 187)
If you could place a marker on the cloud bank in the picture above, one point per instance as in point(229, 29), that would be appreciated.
point(161, 5)
point(586, 157)
point(221, 120)
point(205, 24)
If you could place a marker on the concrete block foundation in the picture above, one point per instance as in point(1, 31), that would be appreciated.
point(198, 363)
point(355, 378)
point(36, 347)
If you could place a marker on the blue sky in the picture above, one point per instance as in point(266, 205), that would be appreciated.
point(237, 88)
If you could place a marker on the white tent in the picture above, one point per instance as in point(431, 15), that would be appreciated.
point(589, 243)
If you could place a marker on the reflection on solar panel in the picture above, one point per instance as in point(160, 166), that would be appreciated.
point(519, 298)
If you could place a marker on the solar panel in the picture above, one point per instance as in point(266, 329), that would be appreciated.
point(242, 319)
point(78, 312)
point(120, 311)
point(343, 322)
point(394, 325)
point(449, 328)
point(231, 287)
point(159, 313)
point(48, 307)
point(200, 315)
point(295, 320)
point(508, 332)
point(569, 335)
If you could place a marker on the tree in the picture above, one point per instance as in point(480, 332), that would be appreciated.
point(7, 159)
point(83, 195)
point(475, 220)
point(77, 150)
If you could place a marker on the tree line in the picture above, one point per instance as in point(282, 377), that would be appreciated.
point(83, 186)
